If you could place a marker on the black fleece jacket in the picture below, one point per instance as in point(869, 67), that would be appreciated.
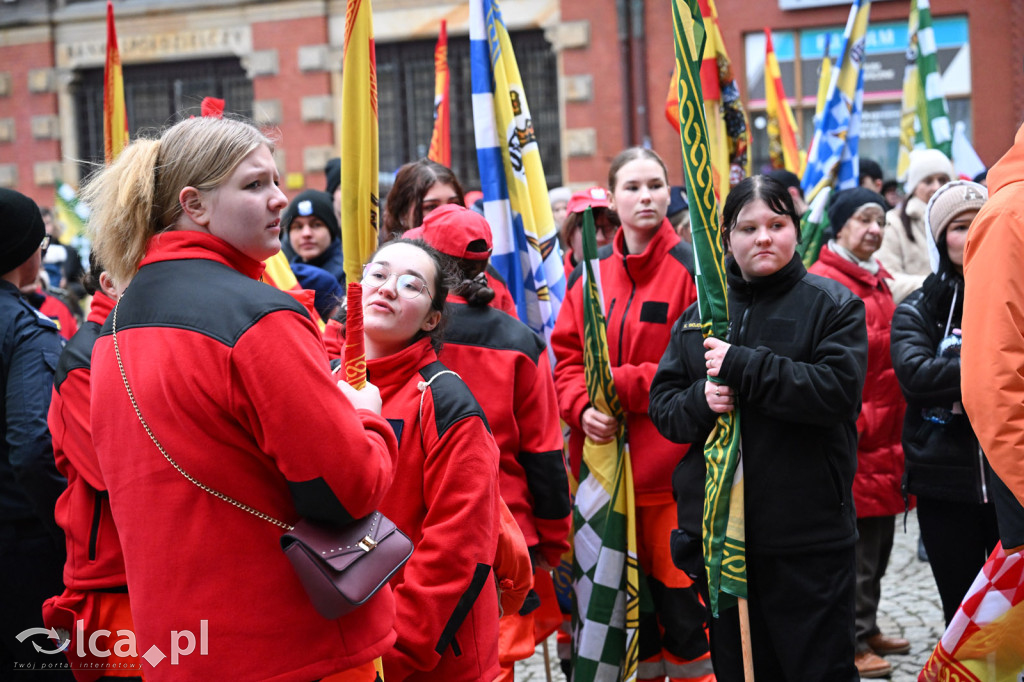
point(797, 364)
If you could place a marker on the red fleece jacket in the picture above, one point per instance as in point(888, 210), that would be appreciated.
point(83, 510)
point(445, 497)
point(506, 366)
point(644, 294)
point(233, 379)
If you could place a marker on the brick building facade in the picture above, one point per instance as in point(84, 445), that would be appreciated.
point(600, 69)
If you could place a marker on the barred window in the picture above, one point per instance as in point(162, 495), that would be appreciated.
point(157, 96)
point(405, 96)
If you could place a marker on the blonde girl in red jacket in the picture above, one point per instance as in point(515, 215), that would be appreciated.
point(232, 379)
point(646, 287)
point(445, 495)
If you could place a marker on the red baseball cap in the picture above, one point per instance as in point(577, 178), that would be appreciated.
point(456, 231)
point(595, 197)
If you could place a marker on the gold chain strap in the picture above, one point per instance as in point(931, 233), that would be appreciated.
point(219, 495)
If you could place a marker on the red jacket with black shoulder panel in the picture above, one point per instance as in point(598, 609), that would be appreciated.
point(233, 379)
point(644, 294)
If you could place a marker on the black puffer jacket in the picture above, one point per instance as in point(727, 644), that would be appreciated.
point(797, 363)
point(943, 460)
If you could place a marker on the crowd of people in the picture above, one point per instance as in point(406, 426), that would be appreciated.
point(152, 456)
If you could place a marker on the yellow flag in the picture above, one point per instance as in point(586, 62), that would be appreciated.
point(359, 162)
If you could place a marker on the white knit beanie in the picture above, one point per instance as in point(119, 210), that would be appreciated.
point(559, 194)
point(948, 202)
point(925, 162)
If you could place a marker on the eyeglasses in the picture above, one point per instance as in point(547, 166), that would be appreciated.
point(45, 244)
point(376, 275)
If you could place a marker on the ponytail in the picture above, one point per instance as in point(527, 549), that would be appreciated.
point(136, 196)
point(120, 197)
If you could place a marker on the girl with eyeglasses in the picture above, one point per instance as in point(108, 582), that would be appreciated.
point(445, 495)
point(506, 366)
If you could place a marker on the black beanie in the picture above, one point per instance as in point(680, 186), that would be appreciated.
point(21, 229)
point(847, 202)
point(312, 202)
point(333, 172)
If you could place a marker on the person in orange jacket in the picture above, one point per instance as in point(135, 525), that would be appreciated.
point(993, 329)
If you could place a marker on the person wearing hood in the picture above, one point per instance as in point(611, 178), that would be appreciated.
point(313, 233)
point(993, 332)
point(904, 251)
point(857, 218)
point(945, 467)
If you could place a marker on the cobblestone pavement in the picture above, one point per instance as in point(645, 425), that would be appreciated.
point(910, 608)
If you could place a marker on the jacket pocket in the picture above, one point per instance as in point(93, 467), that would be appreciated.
point(837, 484)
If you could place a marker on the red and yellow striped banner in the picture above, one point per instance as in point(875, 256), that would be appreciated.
point(115, 115)
point(441, 140)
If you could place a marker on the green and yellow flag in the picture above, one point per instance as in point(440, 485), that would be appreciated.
point(606, 573)
point(72, 214)
point(723, 532)
point(924, 116)
point(360, 207)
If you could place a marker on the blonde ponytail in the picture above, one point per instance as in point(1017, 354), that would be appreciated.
point(121, 200)
point(136, 196)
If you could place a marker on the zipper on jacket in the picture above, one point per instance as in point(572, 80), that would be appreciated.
point(743, 322)
point(97, 512)
point(981, 474)
point(629, 302)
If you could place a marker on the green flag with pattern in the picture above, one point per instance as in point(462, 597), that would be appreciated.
point(723, 533)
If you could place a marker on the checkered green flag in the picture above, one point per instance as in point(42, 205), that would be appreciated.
point(606, 575)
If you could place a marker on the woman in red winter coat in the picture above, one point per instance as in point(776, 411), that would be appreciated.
point(231, 378)
point(646, 286)
point(857, 217)
point(445, 495)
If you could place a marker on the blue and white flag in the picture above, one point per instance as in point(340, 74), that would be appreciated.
point(849, 162)
point(516, 203)
point(832, 132)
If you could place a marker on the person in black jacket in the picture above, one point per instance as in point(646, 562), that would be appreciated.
point(31, 542)
point(945, 466)
point(794, 363)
